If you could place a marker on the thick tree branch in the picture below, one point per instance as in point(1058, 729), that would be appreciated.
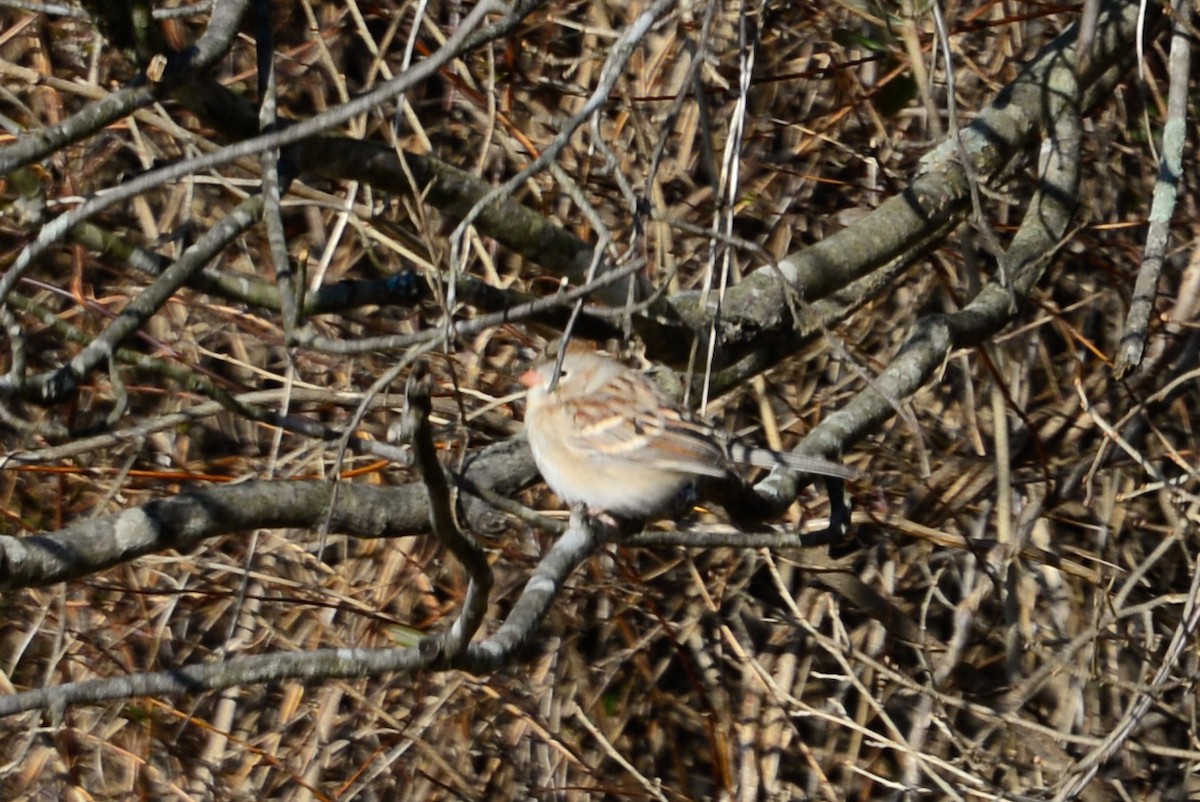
point(487, 655)
point(187, 520)
point(182, 69)
point(755, 313)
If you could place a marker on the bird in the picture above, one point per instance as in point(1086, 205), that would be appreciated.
point(605, 436)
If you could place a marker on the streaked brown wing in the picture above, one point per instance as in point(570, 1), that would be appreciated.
point(653, 434)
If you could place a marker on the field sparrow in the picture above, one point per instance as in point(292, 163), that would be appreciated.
point(607, 437)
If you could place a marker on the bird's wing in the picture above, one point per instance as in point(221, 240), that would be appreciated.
point(645, 431)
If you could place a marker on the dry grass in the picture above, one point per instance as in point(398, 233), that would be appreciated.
point(661, 673)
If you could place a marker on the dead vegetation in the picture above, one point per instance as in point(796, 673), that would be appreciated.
point(1012, 592)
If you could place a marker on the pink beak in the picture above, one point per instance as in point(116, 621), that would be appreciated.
point(531, 378)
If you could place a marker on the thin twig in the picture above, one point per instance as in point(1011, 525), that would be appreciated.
point(452, 643)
